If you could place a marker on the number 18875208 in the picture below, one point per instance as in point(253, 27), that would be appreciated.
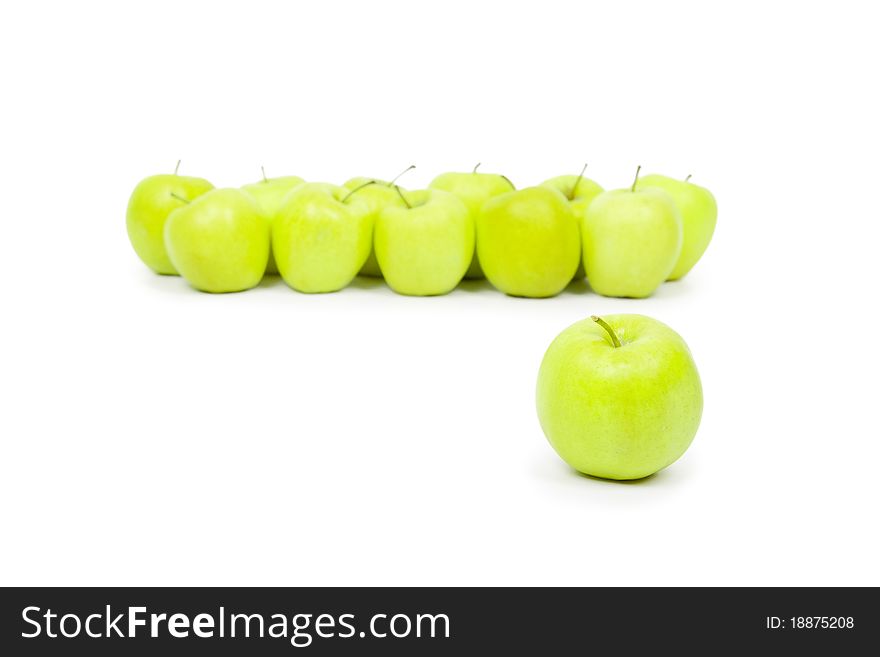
point(810, 623)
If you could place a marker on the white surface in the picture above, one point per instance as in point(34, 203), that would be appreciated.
point(155, 435)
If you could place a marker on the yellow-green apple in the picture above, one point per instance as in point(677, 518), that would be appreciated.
point(269, 193)
point(631, 241)
point(219, 242)
point(151, 202)
point(424, 248)
point(580, 192)
point(473, 189)
point(377, 196)
point(619, 397)
point(528, 242)
point(699, 213)
point(321, 237)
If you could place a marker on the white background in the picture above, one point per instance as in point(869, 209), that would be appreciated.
point(155, 435)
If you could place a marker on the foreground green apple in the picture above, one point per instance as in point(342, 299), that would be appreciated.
point(151, 202)
point(377, 196)
point(321, 237)
point(268, 194)
point(219, 242)
point(698, 215)
point(619, 397)
point(473, 189)
point(580, 192)
point(425, 247)
point(631, 240)
point(528, 242)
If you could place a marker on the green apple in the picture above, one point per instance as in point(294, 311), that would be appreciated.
point(698, 215)
point(473, 189)
point(269, 193)
point(425, 247)
point(528, 242)
point(580, 192)
point(619, 397)
point(376, 194)
point(631, 240)
point(219, 242)
point(151, 202)
point(321, 237)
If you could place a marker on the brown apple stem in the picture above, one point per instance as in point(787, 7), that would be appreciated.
point(399, 191)
point(176, 167)
point(476, 167)
point(688, 177)
point(357, 189)
point(179, 198)
point(610, 331)
point(409, 168)
point(639, 168)
point(507, 180)
point(263, 169)
point(576, 183)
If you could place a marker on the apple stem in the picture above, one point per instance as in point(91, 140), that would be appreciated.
point(179, 198)
point(409, 168)
point(507, 180)
point(638, 168)
point(610, 331)
point(176, 167)
point(576, 183)
point(263, 169)
point(688, 177)
point(403, 197)
point(357, 189)
point(476, 167)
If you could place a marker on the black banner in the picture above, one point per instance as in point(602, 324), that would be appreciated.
point(418, 621)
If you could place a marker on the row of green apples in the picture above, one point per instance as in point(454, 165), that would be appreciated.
point(529, 242)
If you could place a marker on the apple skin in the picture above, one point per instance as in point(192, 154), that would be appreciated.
point(426, 249)
point(219, 242)
point(631, 241)
point(580, 193)
point(619, 412)
point(269, 194)
point(321, 242)
point(579, 198)
point(376, 196)
point(148, 208)
point(699, 213)
point(473, 189)
point(528, 242)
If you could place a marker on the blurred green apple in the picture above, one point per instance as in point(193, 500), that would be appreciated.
point(219, 242)
point(151, 202)
point(619, 397)
point(528, 242)
point(631, 241)
point(699, 213)
point(580, 192)
point(377, 196)
point(473, 189)
point(269, 193)
point(321, 236)
point(424, 248)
